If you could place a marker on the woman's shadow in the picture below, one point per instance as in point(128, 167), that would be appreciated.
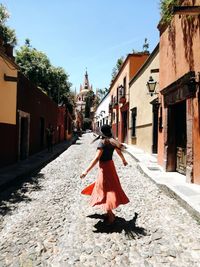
point(118, 226)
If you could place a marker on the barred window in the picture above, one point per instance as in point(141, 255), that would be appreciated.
point(133, 121)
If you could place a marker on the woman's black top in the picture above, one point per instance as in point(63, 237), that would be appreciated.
point(108, 150)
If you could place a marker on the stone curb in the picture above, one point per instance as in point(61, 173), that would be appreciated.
point(167, 190)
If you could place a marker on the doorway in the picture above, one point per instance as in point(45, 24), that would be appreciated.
point(177, 138)
point(42, 130)
point(124, 126)
point(23, 136)
point(155, 108)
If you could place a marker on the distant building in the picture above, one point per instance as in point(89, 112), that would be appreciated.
point(80, 98)
point(81, 101)
point(102, 115)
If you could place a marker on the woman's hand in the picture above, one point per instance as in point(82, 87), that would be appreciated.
point(83, 174)
point(125, 162)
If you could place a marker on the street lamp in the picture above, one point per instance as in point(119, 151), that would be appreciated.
point(151, 85)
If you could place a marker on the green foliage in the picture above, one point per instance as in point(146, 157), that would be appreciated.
point(87, 124)
point(102, 92)
point(69, 100)
point(7, 34)
point(117, 67)
point(36, 66)
point(89, 102)
point(166, 10)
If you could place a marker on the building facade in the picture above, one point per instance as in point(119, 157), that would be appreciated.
point(143, 112)
point(25, 114)
point(8, 107)
point(179, 139)
point(119, 93)
point(102, 115)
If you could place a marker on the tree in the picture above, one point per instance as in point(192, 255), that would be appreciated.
point(87, 124)
point(166, 10)
point(7, 34)
point(102, 92)
point(89, 102)
point(68, 100)
point(117, 67)
point(36, 66)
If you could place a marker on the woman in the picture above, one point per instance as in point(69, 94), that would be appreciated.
point(106, 191)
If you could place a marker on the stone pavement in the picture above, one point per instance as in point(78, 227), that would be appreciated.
point(47, 222)
point(13, 173)
point(173, 183)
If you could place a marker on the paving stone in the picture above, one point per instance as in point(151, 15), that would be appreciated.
point(56, 227)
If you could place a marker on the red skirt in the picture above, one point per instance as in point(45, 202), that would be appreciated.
point(106, 191)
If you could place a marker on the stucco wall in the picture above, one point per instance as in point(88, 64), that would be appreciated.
point(8, 93)
point(140, 99)
point(103, 109)
point(179, 54)
point(179, 44)
point(34, 102)
point(129, 68)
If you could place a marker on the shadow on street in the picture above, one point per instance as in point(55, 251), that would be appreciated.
point(120, 225)
point(17, 193)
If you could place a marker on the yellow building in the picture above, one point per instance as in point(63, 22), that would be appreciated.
point(8, 88)
point(8, 106)
point(143, 111)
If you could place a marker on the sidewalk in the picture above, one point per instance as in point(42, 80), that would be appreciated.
point(33, 164)
point(173, 183)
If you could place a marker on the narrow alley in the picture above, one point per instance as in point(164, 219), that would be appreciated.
point(47, 222)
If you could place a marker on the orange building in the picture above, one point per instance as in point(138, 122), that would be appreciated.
point(179, 136)
point(119, 92)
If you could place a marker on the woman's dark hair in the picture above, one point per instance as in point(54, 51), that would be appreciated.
point(107, 136)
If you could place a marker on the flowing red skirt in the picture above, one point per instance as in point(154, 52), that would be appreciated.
point(106, 191)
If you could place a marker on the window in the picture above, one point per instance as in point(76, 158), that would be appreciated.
point(133, 122)
point(124, 85)
point(117, 95)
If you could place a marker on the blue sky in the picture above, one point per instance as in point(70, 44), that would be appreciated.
point(80, 34)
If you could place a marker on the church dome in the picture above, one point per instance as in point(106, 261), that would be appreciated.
point(84, 92)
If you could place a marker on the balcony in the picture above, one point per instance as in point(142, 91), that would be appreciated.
point(122, 99)
point(115, 103)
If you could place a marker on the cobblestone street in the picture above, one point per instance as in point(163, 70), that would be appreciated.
point(47, 222)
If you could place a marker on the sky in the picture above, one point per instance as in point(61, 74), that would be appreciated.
point(85, 34)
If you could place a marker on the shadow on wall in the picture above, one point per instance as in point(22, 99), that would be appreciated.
point(191, 27)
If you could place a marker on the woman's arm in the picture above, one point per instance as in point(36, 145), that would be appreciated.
point(93, 163)
point(121, 156)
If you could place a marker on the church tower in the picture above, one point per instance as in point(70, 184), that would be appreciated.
point(84, 89)
point(81, 101)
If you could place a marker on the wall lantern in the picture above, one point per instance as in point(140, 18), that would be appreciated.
point(151, 85)
point(121, 90)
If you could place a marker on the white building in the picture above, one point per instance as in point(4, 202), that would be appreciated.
point(102, 115)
